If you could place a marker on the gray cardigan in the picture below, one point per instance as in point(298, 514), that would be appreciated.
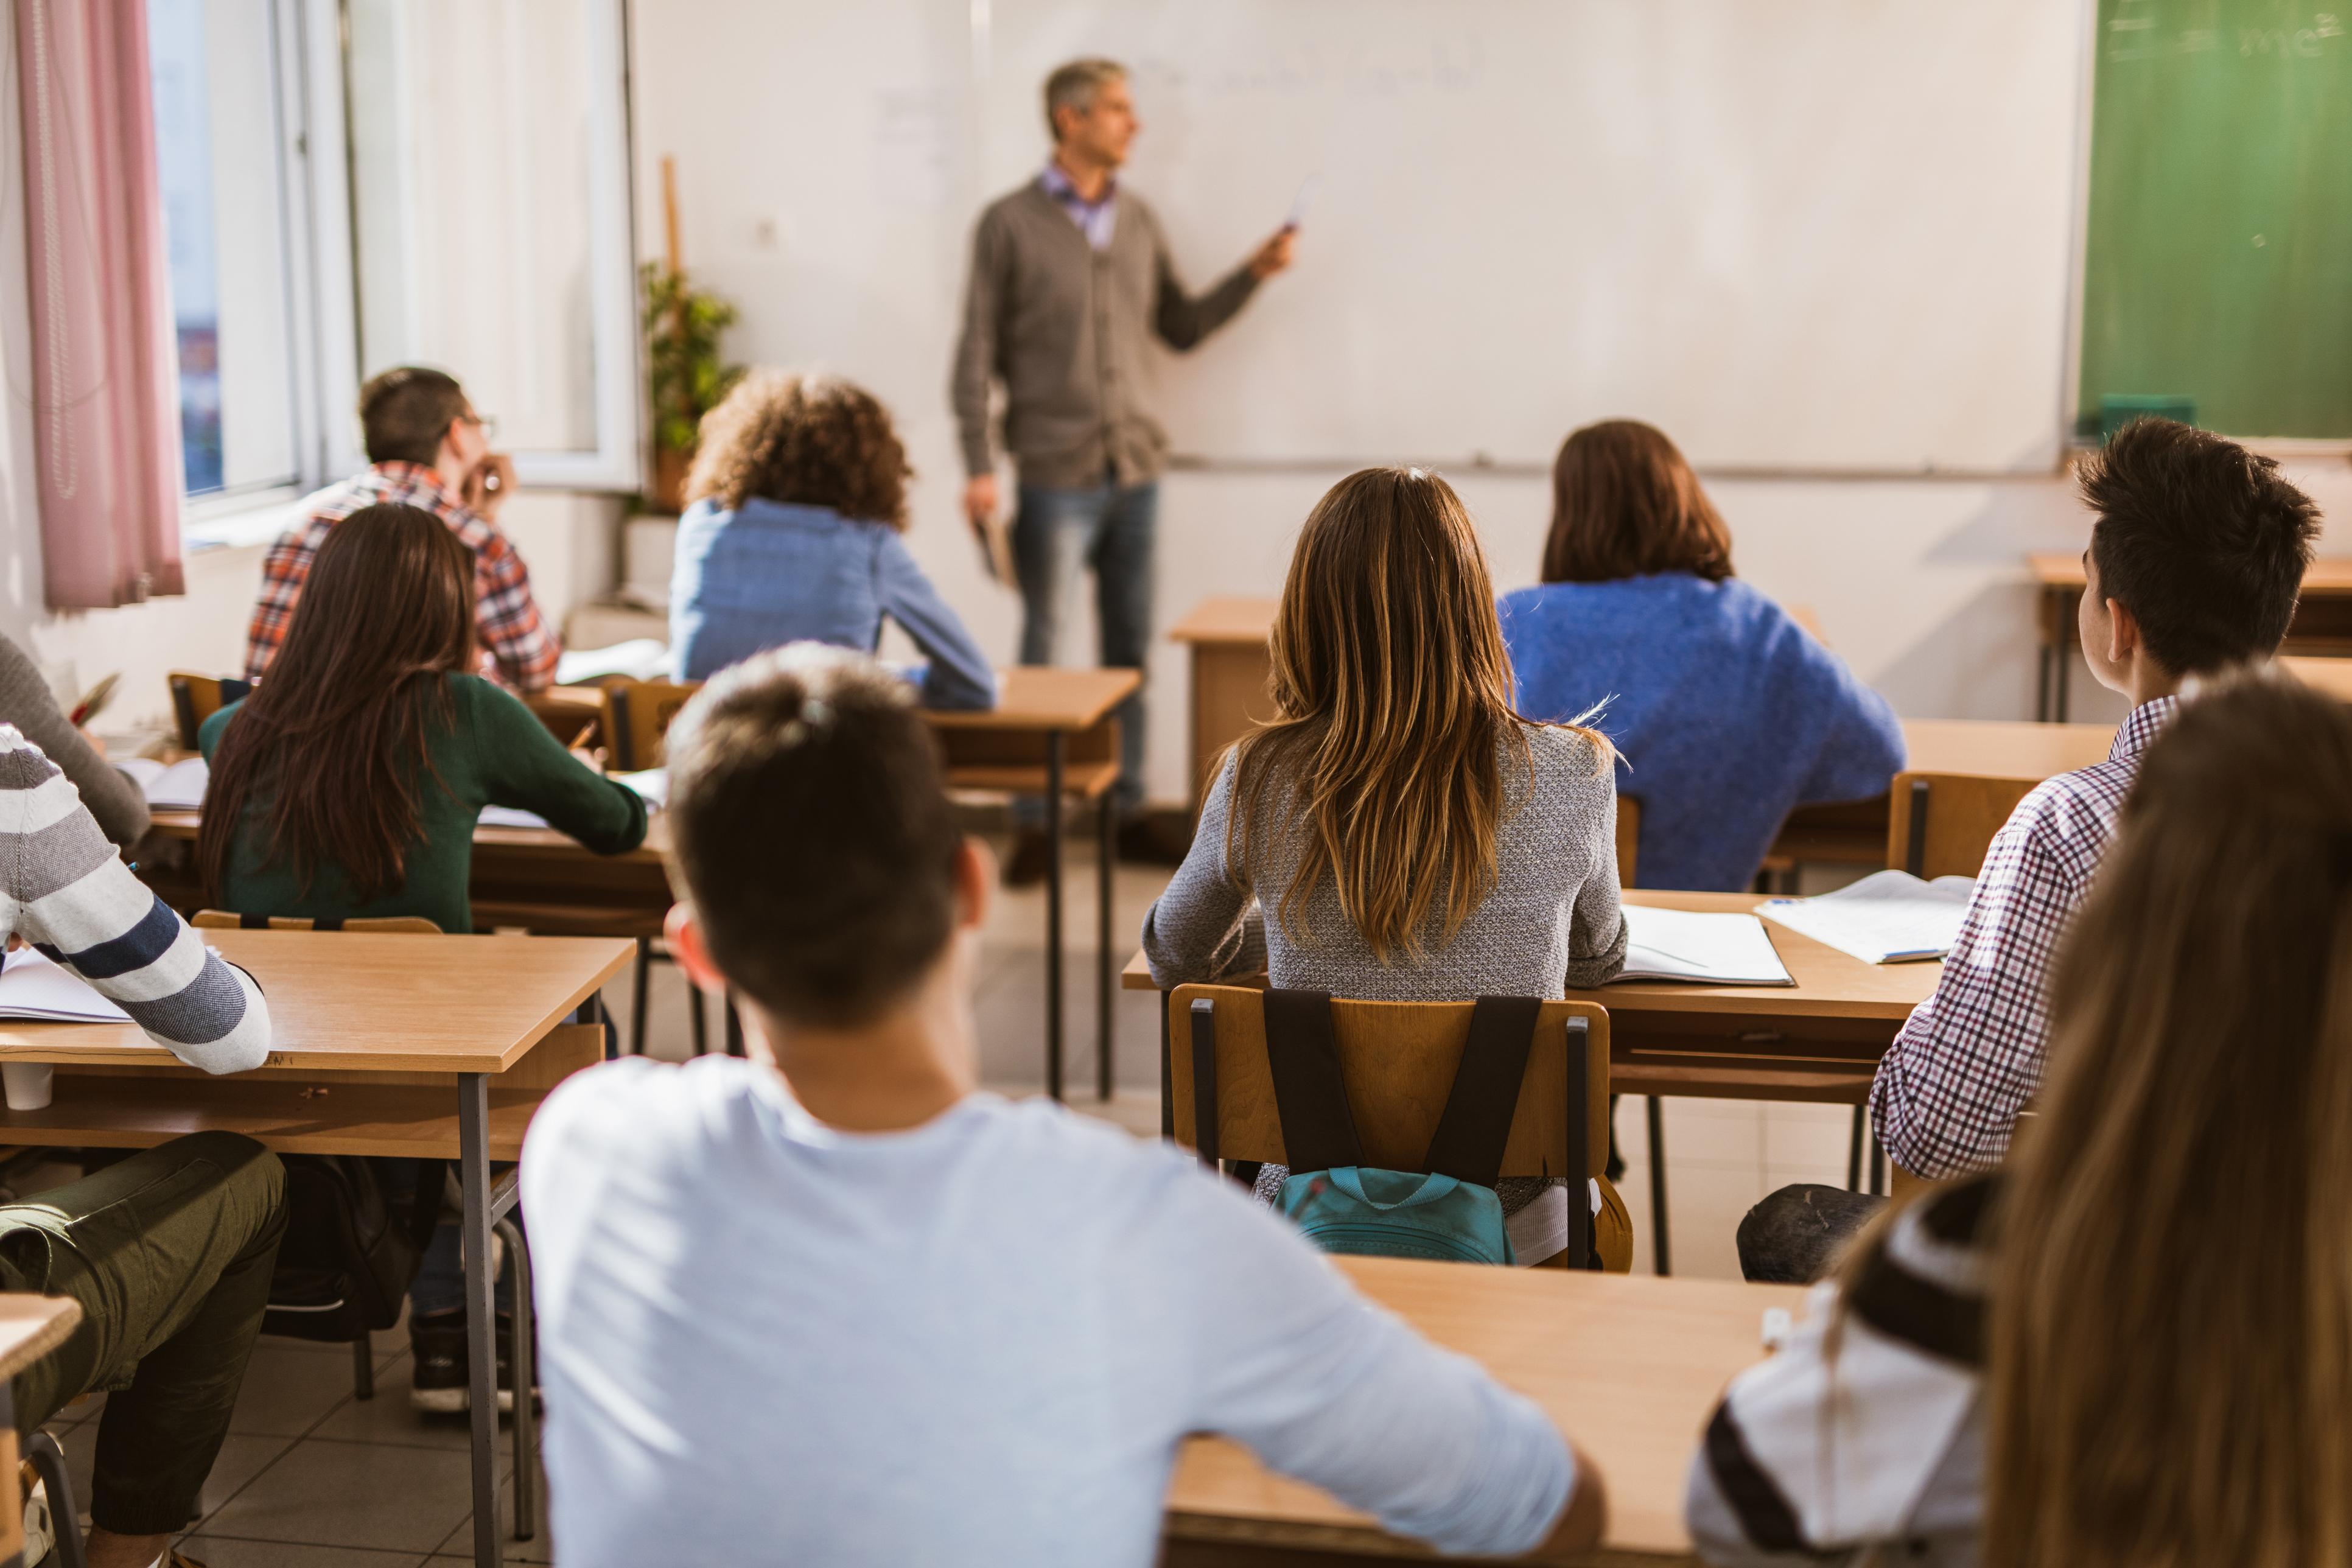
point(1551, 920)
point(26, 702)
point(1065, 326)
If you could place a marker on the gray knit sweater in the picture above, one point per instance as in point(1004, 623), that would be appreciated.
point(1067, 330)
point(1551, 920)
point(26, 702)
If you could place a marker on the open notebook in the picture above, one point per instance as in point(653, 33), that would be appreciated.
point(178, 787)
point(34, 990)
point(1700, 949)
point(1888, 917)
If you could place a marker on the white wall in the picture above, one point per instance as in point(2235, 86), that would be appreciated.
point(1920, 584)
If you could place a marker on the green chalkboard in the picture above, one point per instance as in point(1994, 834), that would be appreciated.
point(2218, 264)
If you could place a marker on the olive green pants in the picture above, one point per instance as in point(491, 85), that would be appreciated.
point(169, 1253)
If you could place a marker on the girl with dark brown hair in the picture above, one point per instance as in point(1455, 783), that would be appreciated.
point(350, 782)
point(2134, 1346)
point(796, 503)
point(1397, 833)
point(1726, 713)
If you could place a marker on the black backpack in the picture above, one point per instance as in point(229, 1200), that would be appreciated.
point(350, 1253)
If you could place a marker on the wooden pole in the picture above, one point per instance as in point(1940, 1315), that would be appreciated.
point(669, 210)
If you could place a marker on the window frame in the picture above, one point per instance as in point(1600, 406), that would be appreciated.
point(310, 44)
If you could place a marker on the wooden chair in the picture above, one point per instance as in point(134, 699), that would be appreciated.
point(404, 925)
point(637, 714)
point(573, 714)
point(196, 698)
point(1942, 824)
point(1398, 1060)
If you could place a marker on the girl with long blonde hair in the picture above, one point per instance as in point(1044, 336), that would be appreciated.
point(1405, 834)
point(2133, 1348)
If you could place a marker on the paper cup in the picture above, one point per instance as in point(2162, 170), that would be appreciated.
point(27, 1083)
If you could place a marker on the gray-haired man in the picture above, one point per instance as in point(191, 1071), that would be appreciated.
point(1070, 277)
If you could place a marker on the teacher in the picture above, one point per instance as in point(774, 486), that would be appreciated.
point(1070, 276)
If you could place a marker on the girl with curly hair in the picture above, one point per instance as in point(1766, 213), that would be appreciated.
point(796, 502)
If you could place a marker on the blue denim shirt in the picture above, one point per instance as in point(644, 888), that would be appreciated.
point(1726, 712)
point(767, 575)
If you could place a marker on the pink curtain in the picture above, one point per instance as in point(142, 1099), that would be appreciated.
point(105, 383)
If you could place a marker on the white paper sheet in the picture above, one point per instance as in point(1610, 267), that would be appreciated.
point(178, 787)
point(1888, 917)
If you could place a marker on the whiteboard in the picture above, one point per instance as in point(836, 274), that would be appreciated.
point(1793, 234)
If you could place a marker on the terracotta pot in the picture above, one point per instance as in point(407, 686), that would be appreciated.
point(669, 480)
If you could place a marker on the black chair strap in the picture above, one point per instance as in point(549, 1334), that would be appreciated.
point(1318, 1129)
point(1476, 1124)
point(252, 922)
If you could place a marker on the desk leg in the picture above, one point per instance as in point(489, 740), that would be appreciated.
point(12, 1502)
point(1056, 746)
point(481, 1309)
point(1106, 973)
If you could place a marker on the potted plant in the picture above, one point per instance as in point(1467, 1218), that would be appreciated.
point(686, 375)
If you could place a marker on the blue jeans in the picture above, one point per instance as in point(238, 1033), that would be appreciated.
point(440, 1282)
point(1107, 527)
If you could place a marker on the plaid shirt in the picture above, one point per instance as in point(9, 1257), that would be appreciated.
point(517, 646)
point(1949, 1089)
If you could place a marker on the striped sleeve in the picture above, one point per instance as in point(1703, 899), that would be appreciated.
point(76, 902)
point(1870, 1434)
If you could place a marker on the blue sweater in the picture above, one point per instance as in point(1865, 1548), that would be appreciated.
point(1726, 711)
point(767, 575)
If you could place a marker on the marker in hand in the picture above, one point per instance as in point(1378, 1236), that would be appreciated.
point(1300, 203)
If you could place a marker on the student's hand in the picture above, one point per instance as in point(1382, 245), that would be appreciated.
point(1274, 254)
point(1578, 1528)
point(980, 501)
point(488, 485)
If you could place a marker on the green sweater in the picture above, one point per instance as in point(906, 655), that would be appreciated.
point(497, 753)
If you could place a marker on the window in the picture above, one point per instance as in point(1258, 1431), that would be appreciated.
point(489, 188)
point(220, 146)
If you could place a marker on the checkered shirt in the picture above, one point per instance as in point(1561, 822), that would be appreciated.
point(516, 648)
point(1949, 1089)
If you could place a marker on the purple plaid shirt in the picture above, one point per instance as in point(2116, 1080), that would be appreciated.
point(1097, 218)
point(1949, 1089)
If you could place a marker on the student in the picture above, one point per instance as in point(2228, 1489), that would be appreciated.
point(1725, 711)
point(169, 1252)
point(350, 784)
point(1409, 837)
point(2131, 1346)
point(926, 1324)
point(2196, 552)
point(426, 447)
point(26, 702)
point(797, 502)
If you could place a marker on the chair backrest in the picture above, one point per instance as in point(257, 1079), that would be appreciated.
point(1628, 837)
point(573, 714)
point(222, 920)
point(196, 698)
point(1942, 824)
point(637, 714)
point(1398, 1061)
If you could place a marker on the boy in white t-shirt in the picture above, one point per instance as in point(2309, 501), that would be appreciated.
point(832, 1304)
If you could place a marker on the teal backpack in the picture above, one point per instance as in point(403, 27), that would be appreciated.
point(1447, 1210)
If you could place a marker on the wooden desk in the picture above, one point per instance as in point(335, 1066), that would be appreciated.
point(2322, 624)
point(1053, 734)
point(1630, 1365)
point(1817, 1040)
point(1227, 638)
point(30, 1328)
point(369, 1033)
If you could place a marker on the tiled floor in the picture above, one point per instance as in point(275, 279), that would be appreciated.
point(314, 1477)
